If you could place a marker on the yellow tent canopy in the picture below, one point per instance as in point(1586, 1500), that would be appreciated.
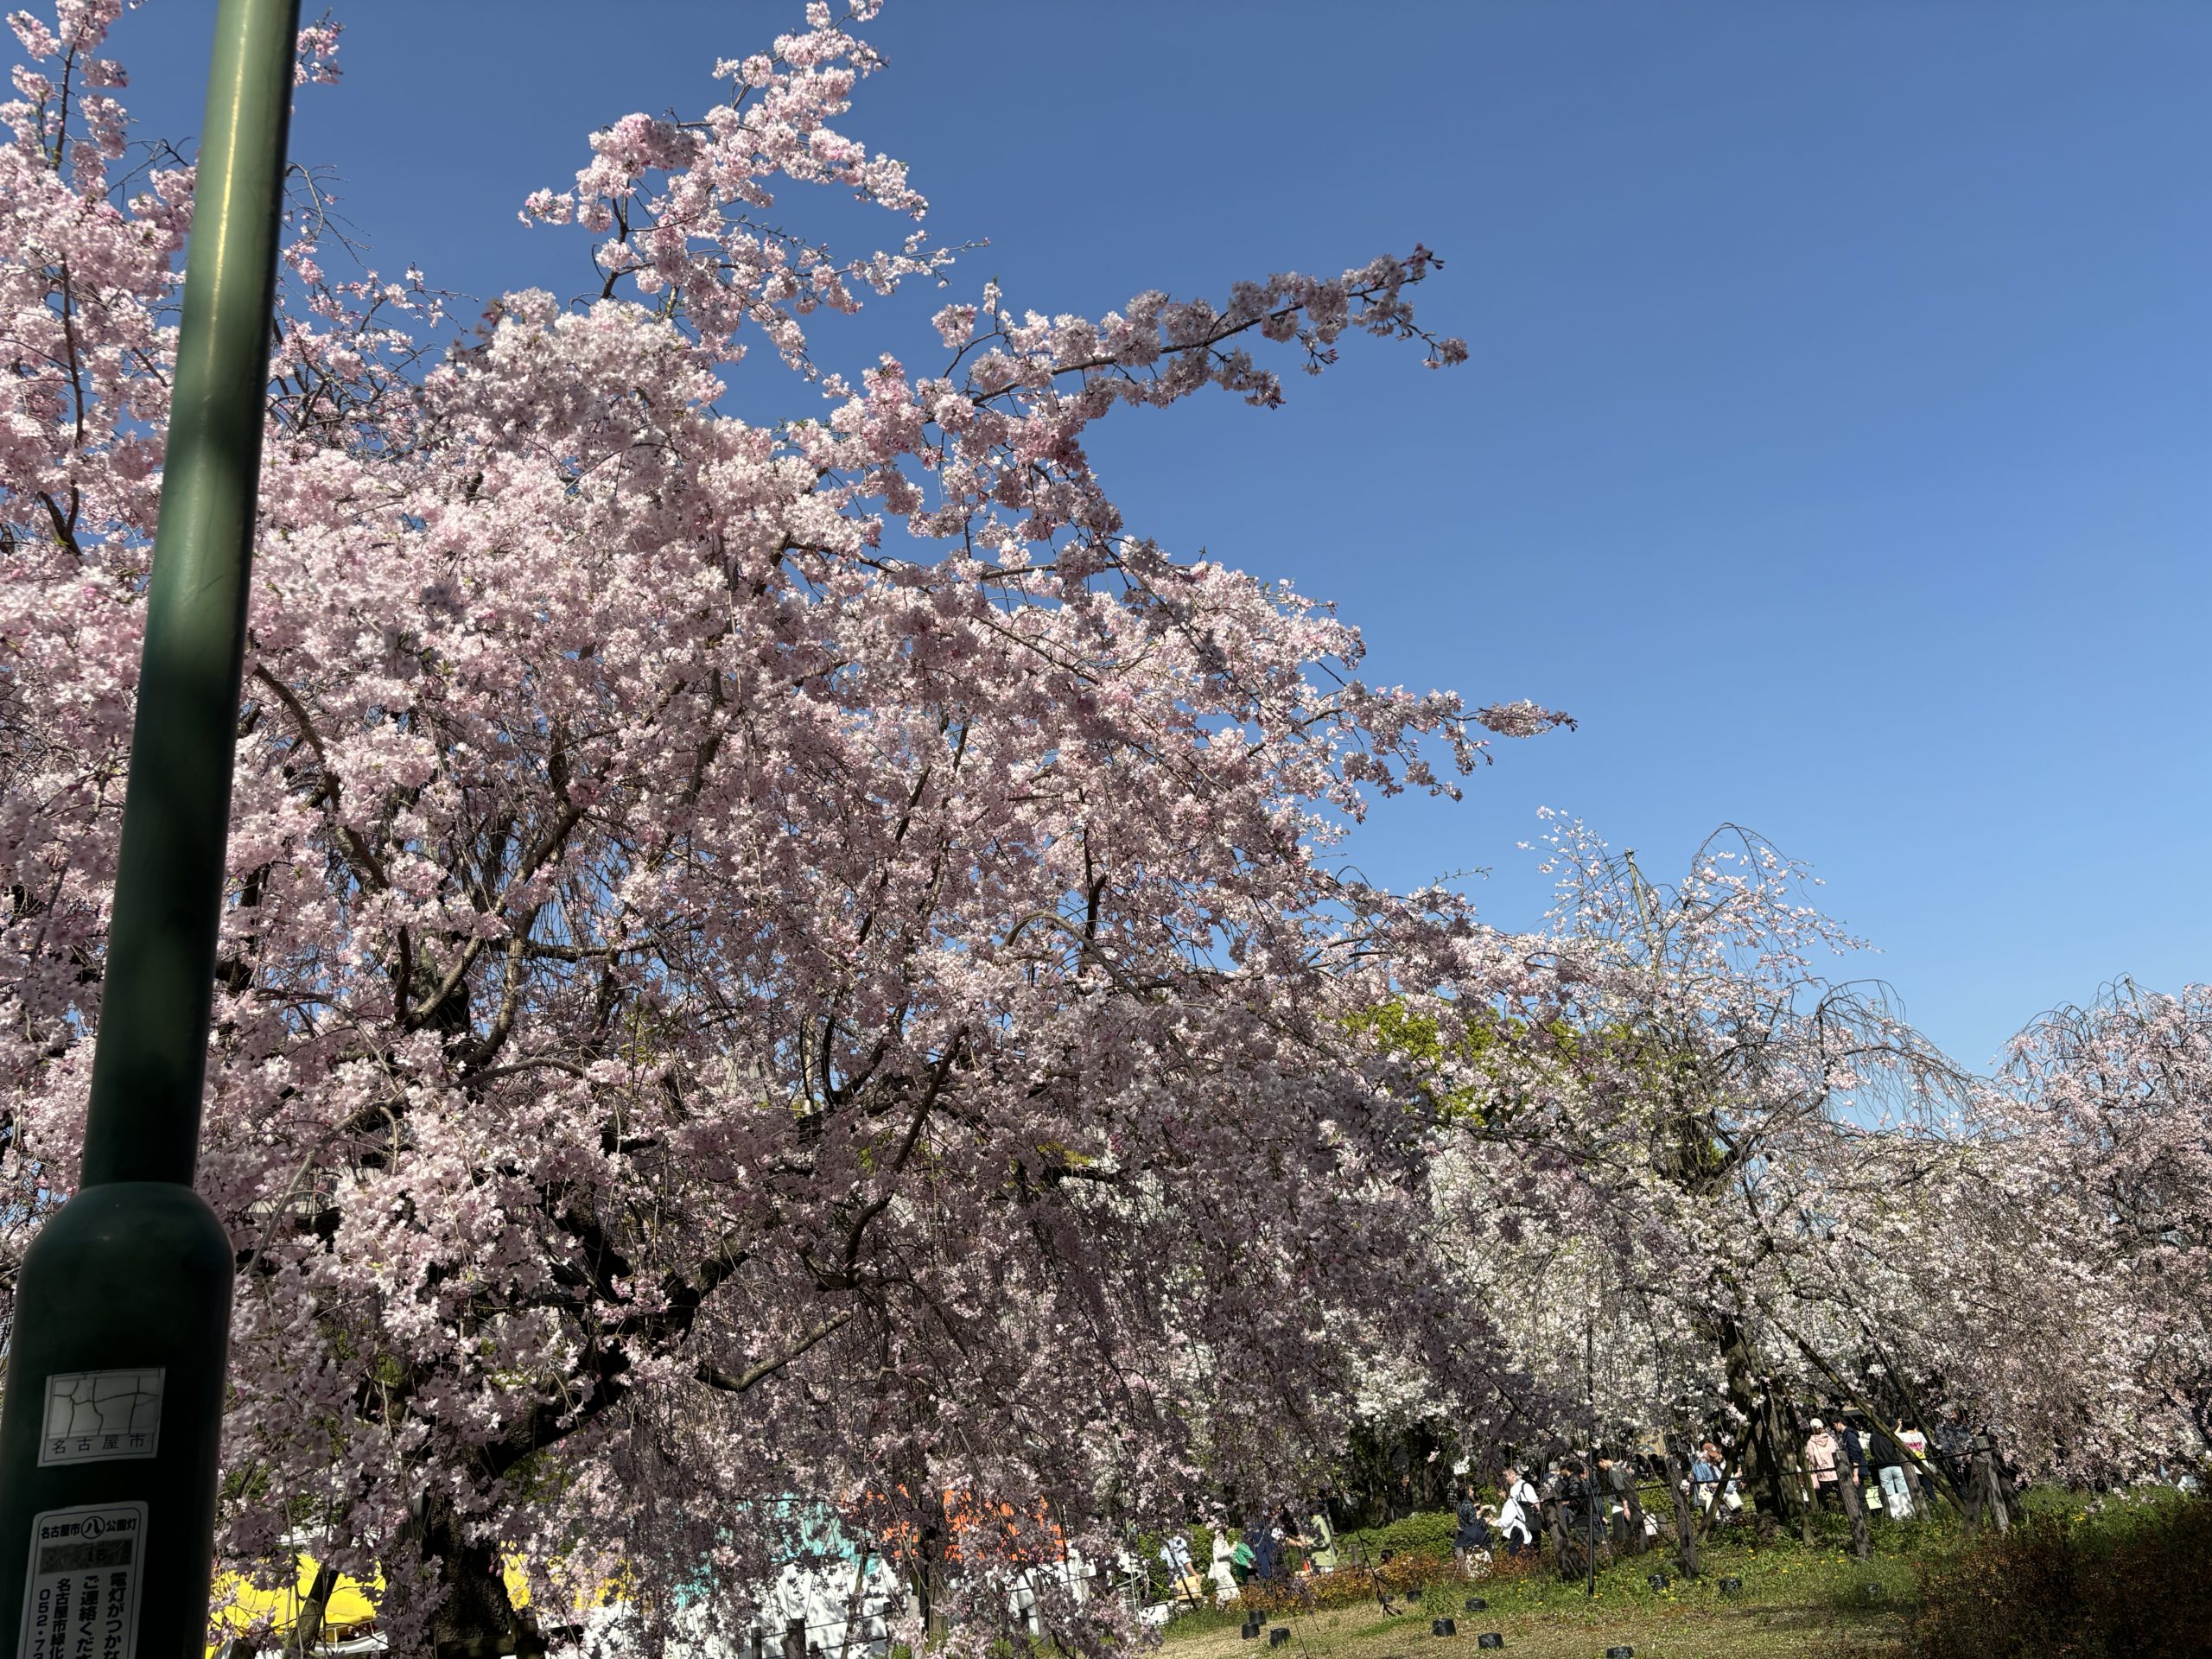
point(350, 1614)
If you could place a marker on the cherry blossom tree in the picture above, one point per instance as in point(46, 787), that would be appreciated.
point(2099, 1148)
point(1691, 1177)
point(759, 960)
point(1701, 1181)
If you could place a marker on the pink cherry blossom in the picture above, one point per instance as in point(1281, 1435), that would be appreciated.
point(759, 961)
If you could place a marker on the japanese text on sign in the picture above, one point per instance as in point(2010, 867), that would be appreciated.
point(92, 1416)
point(81, 1597)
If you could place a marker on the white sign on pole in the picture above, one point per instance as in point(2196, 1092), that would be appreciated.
point(81, 1597)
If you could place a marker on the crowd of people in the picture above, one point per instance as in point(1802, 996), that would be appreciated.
point(1575, 1501)
point(1575, 1495)
point(1844, 1464)
point(1267, 1551)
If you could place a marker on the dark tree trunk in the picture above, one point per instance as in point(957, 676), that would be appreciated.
point(1984, 1496)
point(1846, 1486)
point(1562, 1552)
point(1803, 1496)
point(855, 1599)
point(474, 1619)
point(1685, 1518)
point(307, 1624)
point(1763, 1460)
point(1915, 1488)
point(1638, 1538)
point(925, 1571)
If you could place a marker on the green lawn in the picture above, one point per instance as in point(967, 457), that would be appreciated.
point(1796, 1601)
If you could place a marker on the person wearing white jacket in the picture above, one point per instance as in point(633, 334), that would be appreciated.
point(1516, 1513)
point(1225, 1581)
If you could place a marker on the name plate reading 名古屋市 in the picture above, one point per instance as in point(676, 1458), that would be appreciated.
point(92, 1416)
point(81, 1597)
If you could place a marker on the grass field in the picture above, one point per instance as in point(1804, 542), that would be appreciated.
point(1796, 1601)
point(2124, 1576)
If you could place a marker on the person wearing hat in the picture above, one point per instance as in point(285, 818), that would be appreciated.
point(1820, 1449)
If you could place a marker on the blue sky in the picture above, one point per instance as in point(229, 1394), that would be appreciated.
point(1837, 445)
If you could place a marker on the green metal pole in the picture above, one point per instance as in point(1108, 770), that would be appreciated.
point(112, 1416)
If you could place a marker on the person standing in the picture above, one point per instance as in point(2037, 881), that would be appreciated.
point(1629, 1529)
point(1820, 1449)
point(1704, 1477)
point(1854, 1449)
point(1914, 1445)
point(1401, 1500)
point(1245, 1557)
point(1321, 1551)
point(1852, 1466)
point(1583, 1515)
point(1516, 1512)
point(1889, 1469)
point(1955, 1445)
point(1223, 1570)
point(1182, 1576)
point(1732, 1500)
point(1267, 1552)
point(1523, 1492)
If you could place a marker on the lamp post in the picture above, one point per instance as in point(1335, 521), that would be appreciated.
point(116, 1355)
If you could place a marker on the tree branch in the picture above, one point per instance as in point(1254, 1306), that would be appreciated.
point(714, 1378)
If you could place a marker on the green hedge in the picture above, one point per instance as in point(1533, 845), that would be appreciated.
point(1431, 1530)
point(2132, 1581)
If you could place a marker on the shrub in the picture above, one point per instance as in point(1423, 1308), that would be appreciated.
point(2129, 1583)
point(1432, 1530)
point(1407, 1573)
